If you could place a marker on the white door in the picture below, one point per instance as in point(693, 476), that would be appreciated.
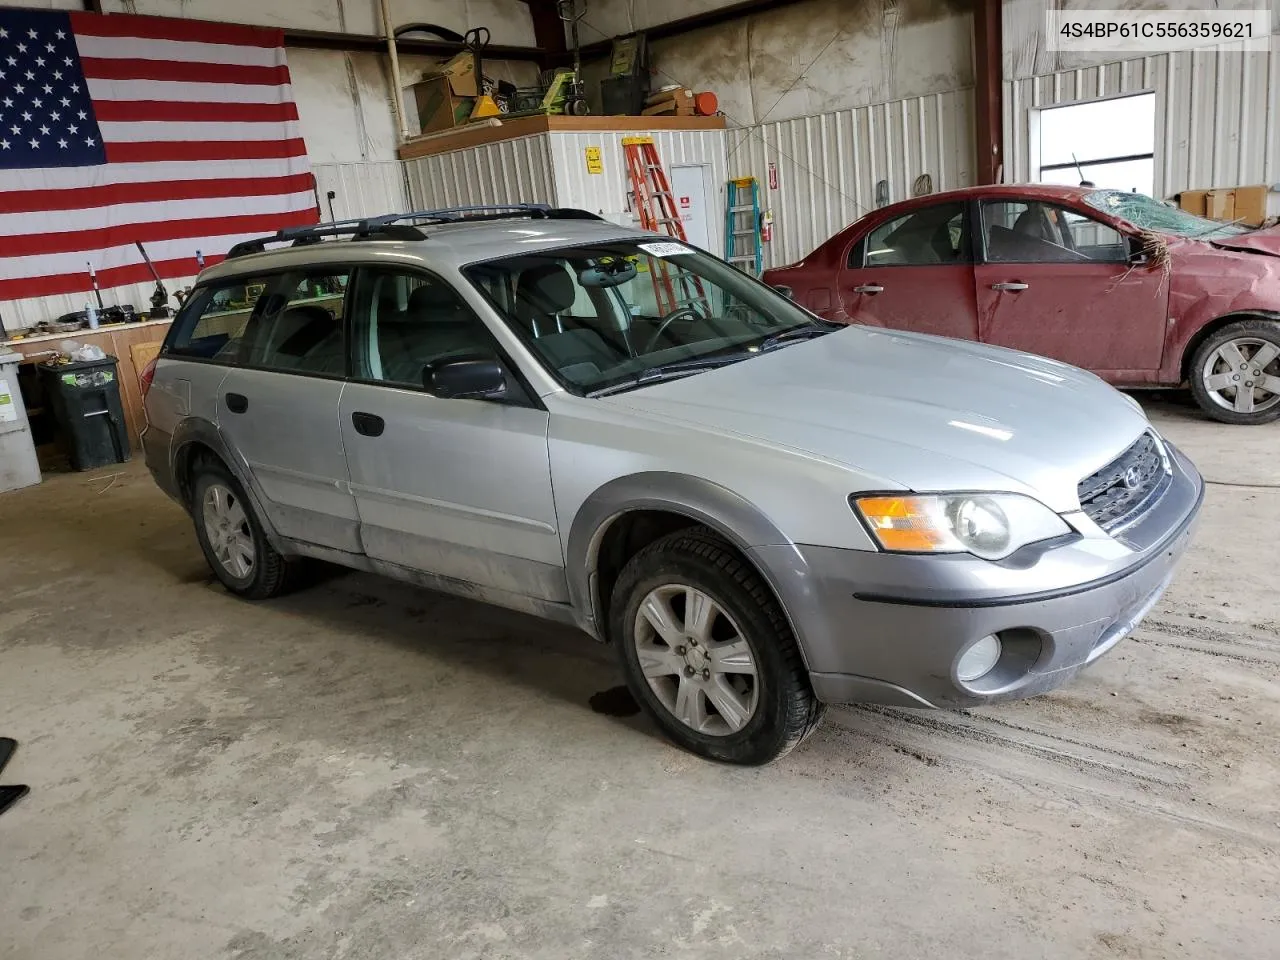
point(689, 184)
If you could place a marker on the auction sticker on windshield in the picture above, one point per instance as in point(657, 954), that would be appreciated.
point(664, 249)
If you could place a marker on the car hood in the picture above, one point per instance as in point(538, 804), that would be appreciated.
point(1255, 241)
point(912, 411)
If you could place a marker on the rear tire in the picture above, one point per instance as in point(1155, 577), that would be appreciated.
point(1235, 373)
point(232, 538)
point(706, 650)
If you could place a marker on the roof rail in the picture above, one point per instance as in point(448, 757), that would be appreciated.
point(391, 226)
point(494, 211)
point(383, 228)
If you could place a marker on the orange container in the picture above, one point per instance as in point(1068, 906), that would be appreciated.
point(705, 104)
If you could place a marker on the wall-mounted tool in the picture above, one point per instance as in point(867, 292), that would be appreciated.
point(93, 280)
point(160, 298)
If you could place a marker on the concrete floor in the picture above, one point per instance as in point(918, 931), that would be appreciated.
point(366, 770)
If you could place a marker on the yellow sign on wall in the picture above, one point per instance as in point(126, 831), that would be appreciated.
point(594, 163)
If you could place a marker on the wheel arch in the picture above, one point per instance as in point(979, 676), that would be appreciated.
point(662, 503)
point(1213, 326)
point(195, 438)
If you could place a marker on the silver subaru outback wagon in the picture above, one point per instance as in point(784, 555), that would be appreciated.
point(763, 513)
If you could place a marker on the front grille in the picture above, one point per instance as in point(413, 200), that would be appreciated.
point(1127, 487)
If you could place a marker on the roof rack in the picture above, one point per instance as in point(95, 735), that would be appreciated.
point(400, 226)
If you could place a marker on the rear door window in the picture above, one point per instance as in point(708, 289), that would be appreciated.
point(297, 324)
point(928, 237)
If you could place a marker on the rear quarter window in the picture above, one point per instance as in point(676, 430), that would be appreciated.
point(211, 325)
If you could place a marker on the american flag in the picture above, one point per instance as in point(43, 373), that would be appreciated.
point(116, 129)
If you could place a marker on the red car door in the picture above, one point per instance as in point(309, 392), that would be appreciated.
point(1058, 283)
point(914, 272)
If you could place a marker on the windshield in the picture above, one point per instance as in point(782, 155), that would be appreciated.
point(1149, 214)
point(619, 313)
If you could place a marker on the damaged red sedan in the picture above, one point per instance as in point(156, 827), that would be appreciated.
point(1141, 293)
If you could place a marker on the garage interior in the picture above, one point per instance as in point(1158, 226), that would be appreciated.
point(365, 768)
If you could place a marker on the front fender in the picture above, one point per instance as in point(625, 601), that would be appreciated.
point(732, 516)
point(201, 432)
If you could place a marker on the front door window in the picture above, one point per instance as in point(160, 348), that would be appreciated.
point(1028, 231)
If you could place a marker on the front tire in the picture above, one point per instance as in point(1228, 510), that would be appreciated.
point(1235, 373)
point(706, 650)
point(232, 539)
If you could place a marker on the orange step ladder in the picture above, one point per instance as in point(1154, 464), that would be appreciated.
point(656, 206)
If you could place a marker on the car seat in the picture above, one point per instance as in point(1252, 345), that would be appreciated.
point(306, 338)
point(542, 294)
point(434, 325)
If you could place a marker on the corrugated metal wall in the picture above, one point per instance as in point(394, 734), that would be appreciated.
point(828, 165)
point(606, 193)
point(1216, 113)
point(361, 189)
point(510, 171)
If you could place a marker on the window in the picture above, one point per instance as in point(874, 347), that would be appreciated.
point(286, 321)
point(1017, 231)
point(297, 324)
point(403, 321)
point(934, 235)
point(619, 314)
point(1109, 143)
point(211, 325)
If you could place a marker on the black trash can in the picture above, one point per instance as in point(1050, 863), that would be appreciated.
point(85, 398)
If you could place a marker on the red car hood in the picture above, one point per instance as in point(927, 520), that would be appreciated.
point(1257, 241)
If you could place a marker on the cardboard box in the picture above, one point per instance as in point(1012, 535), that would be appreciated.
point(1193, 201)
point(675, 102)
point(1251, 205)
point(446, 97)
point(1220, 205)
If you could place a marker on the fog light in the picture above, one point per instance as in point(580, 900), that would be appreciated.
point(978, 660)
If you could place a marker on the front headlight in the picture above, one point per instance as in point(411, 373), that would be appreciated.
point(988, 525)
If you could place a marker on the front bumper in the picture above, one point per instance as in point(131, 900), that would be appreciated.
point(890, 628)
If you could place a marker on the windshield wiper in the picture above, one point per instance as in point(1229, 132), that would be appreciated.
point(669, 371)
point(793, 336)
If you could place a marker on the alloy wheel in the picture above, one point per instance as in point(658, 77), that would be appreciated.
point(1243, 375)
point(226, 526)
point(695, 660)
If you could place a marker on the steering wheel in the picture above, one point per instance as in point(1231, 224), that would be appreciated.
point(666, 321)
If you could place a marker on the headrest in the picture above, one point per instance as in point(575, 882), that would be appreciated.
point(432, 297)
point(549, 288)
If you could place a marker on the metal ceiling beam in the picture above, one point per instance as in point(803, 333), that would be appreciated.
point(359, 42)
point(988, 47)
point(697, 21)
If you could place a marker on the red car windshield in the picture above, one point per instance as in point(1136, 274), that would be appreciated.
point(1149, 214)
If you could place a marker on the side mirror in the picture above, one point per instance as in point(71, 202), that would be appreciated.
point(785, 291)
point(1137, 252)
point(467, 378)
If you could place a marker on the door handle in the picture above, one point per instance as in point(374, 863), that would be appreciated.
point(869, 288)
point(1013, 287)
point(368, 424)
point(237, 402)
